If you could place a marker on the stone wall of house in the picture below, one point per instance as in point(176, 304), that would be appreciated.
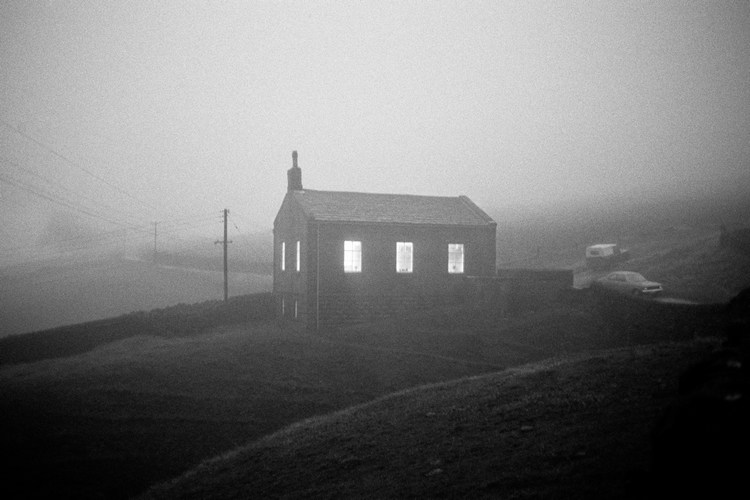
point(508, 292)
point(345, 309)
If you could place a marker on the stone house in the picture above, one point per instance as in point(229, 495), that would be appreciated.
point(344, 257)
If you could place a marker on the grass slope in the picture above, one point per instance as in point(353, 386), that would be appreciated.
point(561, 428)
point(110, 422)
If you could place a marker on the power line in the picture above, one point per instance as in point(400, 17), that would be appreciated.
point(111, 236)
point(74, 164)
point(49, 197)
point(59, 195)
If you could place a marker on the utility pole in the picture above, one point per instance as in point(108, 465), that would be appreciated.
point(226, 269)
point(155, 223)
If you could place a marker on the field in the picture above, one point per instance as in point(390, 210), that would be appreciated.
point(41, 296)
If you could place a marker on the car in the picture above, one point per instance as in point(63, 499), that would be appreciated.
point(631, 283)
point(605, 255)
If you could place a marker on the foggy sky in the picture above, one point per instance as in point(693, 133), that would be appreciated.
point(164, 111)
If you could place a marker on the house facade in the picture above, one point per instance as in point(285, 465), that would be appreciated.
point(344, 257)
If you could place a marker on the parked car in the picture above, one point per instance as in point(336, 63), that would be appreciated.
point(631, 283)
point(605, 255)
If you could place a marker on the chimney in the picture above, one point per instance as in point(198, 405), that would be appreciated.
point(294, 175)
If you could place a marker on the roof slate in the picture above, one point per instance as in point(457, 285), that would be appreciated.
point(336, 206)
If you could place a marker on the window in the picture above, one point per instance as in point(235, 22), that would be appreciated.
point(283, 256)
point(295, 308)
point(282, 306)
point(455, 258)
point(298, 255)
point(353, 256)
point(404, 257)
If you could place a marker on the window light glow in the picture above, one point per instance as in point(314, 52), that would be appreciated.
point(352, 256)
point(404, 257)
point(283, 256)
point(456, 258)
point(298, 254)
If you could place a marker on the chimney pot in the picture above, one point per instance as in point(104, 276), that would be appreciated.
point(294, 175)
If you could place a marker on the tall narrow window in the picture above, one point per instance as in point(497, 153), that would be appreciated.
point(283, 311)
point(455, 258)
point(353, 256)
point(295, 308)
point(298, 255)
point(404, 257)
point(283, 256)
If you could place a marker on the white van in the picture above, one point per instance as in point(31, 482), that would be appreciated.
point(603, 255)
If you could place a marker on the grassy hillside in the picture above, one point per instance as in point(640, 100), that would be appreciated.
point(575, 427)
point(110, 422)
point(691, 265)
point(699, 270)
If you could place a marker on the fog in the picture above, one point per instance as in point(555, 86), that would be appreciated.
point(122, 114)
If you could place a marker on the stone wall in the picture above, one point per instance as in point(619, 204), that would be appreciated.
point(508, 292)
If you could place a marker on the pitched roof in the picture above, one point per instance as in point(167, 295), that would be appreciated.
point(335, 206)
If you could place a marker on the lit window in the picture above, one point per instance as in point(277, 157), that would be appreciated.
point(404, 257)
point(283, 256)
point(353, 256)
point(298, 255)
point(455, 258)
point(295, 309)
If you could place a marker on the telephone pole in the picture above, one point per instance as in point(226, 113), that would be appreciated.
point(226, 269)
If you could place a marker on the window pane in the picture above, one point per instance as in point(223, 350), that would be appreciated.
point(298, 255)
point(456, 258)
point(353, 256)
point(283, 256)
point(404, 257)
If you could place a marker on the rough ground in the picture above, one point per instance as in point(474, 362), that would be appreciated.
point(562, 428)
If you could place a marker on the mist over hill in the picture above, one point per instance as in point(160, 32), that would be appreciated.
point(96, 284)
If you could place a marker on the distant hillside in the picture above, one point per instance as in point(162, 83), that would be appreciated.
point(51, 294)
point(556, 236)
point(564, 428)
point(701, 270)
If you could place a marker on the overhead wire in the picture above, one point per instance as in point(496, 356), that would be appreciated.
point(51, 198)
point(72, 163)
point(55, 186)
